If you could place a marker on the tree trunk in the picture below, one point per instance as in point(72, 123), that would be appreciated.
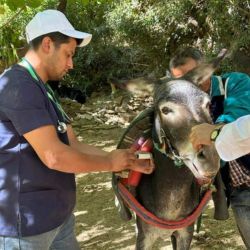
point(62, 5)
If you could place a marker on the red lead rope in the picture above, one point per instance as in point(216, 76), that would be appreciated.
point(151, 219)
point(134, 179)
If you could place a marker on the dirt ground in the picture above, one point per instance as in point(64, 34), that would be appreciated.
point(98, 225)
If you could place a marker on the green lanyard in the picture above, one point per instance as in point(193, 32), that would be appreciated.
point(49, 90)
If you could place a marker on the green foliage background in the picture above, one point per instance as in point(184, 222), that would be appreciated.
point(135, 37)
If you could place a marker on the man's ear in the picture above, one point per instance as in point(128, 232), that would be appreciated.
point(204, 71)
point(46, 44)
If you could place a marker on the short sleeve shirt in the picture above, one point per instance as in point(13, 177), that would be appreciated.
point(33, 198)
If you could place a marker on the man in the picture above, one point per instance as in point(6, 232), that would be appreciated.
point(184, 61)
point(232, 140)
point(230, 95)
point(39, 151)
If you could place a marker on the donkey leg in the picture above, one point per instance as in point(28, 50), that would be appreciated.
point(181, 239)
point(146, 237)
point(145, 241)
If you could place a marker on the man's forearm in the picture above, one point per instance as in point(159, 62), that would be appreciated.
point(88, 149)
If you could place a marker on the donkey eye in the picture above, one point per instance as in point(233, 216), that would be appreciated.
point(166, 110)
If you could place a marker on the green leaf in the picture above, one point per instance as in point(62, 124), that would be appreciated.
point(2, 10)
point(15, 4)
point(33, 3)
point(85, 2)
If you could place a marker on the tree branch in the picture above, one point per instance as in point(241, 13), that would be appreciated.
point(246, 12)
point(243, 10)
point(12, 18)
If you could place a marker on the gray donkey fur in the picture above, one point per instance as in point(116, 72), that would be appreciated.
point(172, 193)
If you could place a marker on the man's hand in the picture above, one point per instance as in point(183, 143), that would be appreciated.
point(122, 159)
point(200, 135)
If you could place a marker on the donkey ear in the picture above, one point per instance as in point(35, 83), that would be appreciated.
point(142, 86)
point(201, 73)
point(158, 129)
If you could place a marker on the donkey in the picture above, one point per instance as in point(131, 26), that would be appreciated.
point(172, 193)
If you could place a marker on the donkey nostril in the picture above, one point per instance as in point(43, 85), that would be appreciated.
point(201, 155)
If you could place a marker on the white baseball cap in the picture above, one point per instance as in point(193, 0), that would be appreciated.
point(49, 21)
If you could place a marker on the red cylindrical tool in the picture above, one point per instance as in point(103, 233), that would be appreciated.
point(134, 177)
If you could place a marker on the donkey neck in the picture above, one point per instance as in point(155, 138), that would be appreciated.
point(175, 190)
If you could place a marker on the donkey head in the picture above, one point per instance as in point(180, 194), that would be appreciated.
point(179, 105)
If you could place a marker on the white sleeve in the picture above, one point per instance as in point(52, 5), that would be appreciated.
point(234, 139)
